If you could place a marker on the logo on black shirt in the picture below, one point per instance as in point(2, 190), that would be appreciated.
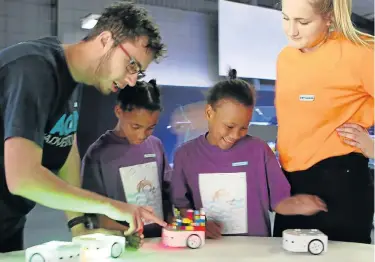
point(61, 135)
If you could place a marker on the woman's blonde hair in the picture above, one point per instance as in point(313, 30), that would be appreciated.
point(342, 22)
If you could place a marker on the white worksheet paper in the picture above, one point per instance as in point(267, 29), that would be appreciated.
point(142, 187)
point(224, 198)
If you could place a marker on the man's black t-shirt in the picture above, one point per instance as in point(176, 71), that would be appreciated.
point(39, 102)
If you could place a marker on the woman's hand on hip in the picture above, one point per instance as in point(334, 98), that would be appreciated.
point(357, 136)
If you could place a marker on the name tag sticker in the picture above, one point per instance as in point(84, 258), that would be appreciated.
point(149, 155)
point(245, 163)
point(307, 98)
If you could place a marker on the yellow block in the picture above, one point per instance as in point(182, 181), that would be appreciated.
point(186, 221)
point(202, 224)
point(189, 228)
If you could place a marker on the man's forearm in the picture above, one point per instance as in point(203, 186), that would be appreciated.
point(48, 190)
point(110, 224)
point(70, 173)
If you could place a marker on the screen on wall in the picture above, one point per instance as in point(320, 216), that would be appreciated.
point(250, 39)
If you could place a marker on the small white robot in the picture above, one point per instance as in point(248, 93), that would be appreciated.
point(102, 245)
point(189, 231)
point(53, 251)
point(305, 240)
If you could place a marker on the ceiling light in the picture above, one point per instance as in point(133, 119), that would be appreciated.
point(89, 21)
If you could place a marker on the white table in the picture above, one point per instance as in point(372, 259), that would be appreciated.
point(235, 249)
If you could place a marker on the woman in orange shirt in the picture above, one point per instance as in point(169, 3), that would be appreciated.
point(324, 103)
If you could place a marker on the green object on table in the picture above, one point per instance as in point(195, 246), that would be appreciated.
point(133, 241)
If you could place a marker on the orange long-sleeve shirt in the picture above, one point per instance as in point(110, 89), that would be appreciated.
point(317, 92)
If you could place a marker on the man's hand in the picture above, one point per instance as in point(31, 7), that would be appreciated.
point(136, 216)
point(79, 230)
point(357, 136)
point(213, 229)
point(84, 231)
point(108, 226)
point(135, 241)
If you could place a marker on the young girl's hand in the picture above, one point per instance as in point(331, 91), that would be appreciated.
point(213, 229)
point(308, 204)
point(302, 204)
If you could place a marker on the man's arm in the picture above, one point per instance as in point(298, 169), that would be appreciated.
point(29, 179)
point(30, 92)
point(70, 173)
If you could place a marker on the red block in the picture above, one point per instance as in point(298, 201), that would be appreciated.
point(200, 228)
point(190, 214)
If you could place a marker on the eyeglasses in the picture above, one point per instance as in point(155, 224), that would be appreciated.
point(133, 67)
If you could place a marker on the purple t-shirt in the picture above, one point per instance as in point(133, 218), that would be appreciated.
point(237, 187)
point(137, 174)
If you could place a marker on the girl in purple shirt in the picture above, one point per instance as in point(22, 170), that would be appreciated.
point(128, 163)
point(235, 177)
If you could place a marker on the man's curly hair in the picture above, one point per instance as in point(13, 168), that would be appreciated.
point(126, 21)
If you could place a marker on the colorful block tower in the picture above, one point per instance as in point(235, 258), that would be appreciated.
point(194, 220)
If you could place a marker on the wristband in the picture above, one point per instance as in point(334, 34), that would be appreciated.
point(90, 221)
point(76, 221)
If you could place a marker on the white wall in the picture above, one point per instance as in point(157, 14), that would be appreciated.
point(191, 39)
point(24, 19)
point(254, 53)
